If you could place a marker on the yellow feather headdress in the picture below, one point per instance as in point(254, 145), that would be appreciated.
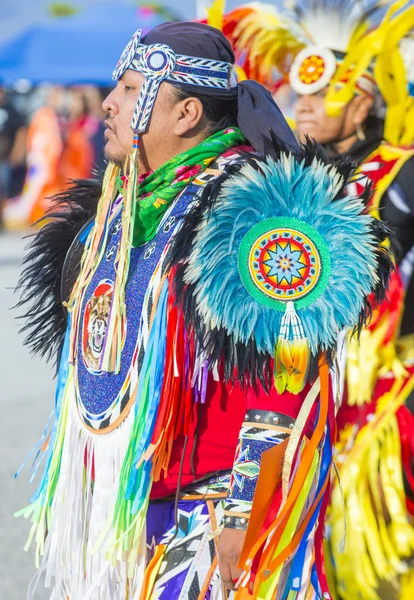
point(351, 47)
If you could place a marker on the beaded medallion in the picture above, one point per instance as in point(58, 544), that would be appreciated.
point(282, 259)
point(312, 70)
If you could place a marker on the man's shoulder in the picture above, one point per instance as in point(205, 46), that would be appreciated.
point(407, 170)
point(402, 161)
point(236, 155)
point(236, 293)
point(228, 163)
point(388, 152)
point(56, 249)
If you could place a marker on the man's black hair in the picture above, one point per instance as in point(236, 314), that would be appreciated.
point(220, 113)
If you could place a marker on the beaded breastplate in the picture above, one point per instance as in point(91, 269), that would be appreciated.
point(104, 399)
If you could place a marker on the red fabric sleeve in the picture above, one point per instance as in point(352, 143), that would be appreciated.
point(215, 430)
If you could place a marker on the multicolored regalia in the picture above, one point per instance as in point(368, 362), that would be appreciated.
point(333, 48)
point(195, 389)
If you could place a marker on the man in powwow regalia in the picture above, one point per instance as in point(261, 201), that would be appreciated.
point(194, 301)
point(351, 66)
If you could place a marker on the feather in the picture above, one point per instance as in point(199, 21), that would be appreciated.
point(228, 323)
point(40, 283)
point(283, 365)
point(267, 39)
point(300, 365)
point(334, 23)
point(264, 41)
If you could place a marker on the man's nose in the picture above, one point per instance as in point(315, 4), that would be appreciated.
point(110, 104)
point(303, 105)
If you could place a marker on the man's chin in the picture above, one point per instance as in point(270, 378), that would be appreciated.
point(115, 157)
point(308, 131)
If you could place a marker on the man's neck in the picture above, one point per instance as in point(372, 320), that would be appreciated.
point(344, 146)
point(170, 151)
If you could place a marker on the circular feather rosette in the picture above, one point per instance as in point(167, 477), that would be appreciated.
point(280, 231)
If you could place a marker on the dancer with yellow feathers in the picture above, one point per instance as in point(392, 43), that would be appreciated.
point(351, 65)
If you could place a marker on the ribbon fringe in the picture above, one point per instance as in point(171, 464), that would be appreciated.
point(292, 354)
point(380, 535)
point(72, 552)
point(284, 540)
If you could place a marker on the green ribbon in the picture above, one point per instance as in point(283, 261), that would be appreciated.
point(160, 188)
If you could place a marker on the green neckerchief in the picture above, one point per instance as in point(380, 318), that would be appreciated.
point(158, 190)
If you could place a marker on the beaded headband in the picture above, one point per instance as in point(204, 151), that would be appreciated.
point(158, 63)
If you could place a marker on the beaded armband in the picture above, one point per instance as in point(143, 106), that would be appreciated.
point(261, 430)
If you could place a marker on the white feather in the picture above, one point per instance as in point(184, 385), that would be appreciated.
point(75, 562)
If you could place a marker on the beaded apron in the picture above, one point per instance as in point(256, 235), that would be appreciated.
point(103, 398)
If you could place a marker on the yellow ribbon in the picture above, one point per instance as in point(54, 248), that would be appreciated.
point(295, 436)
point(380, 536)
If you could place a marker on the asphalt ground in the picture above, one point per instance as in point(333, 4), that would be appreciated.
point(26, 400)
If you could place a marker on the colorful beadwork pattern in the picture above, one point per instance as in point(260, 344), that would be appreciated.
point(127, 56)
point(261, 430)
point(103, 399)
point(312, 70)
point(95, 320)
point(158, 63)
point(282, 259)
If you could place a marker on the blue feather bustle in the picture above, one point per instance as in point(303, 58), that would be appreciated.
point(283, 189)
point(304, 186)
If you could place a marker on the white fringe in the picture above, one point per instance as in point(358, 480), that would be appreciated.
point(75, 562)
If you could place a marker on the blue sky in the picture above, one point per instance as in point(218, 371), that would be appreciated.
point(15, 15)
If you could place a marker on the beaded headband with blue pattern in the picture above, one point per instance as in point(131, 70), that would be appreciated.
point(158, 63)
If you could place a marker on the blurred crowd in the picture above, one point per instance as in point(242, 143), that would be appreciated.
point(48, 136)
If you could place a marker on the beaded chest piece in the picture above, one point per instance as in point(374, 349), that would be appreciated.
point(104, 398)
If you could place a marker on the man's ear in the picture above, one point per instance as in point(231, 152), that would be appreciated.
point(362, 106)
point(189, 117)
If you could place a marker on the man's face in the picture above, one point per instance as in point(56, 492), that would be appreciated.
point(120, 105)
point(312, 120)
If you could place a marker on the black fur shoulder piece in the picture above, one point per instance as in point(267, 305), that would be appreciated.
point(223, 291)
point(40, 284)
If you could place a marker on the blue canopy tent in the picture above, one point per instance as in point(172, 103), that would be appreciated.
point(79, 49)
